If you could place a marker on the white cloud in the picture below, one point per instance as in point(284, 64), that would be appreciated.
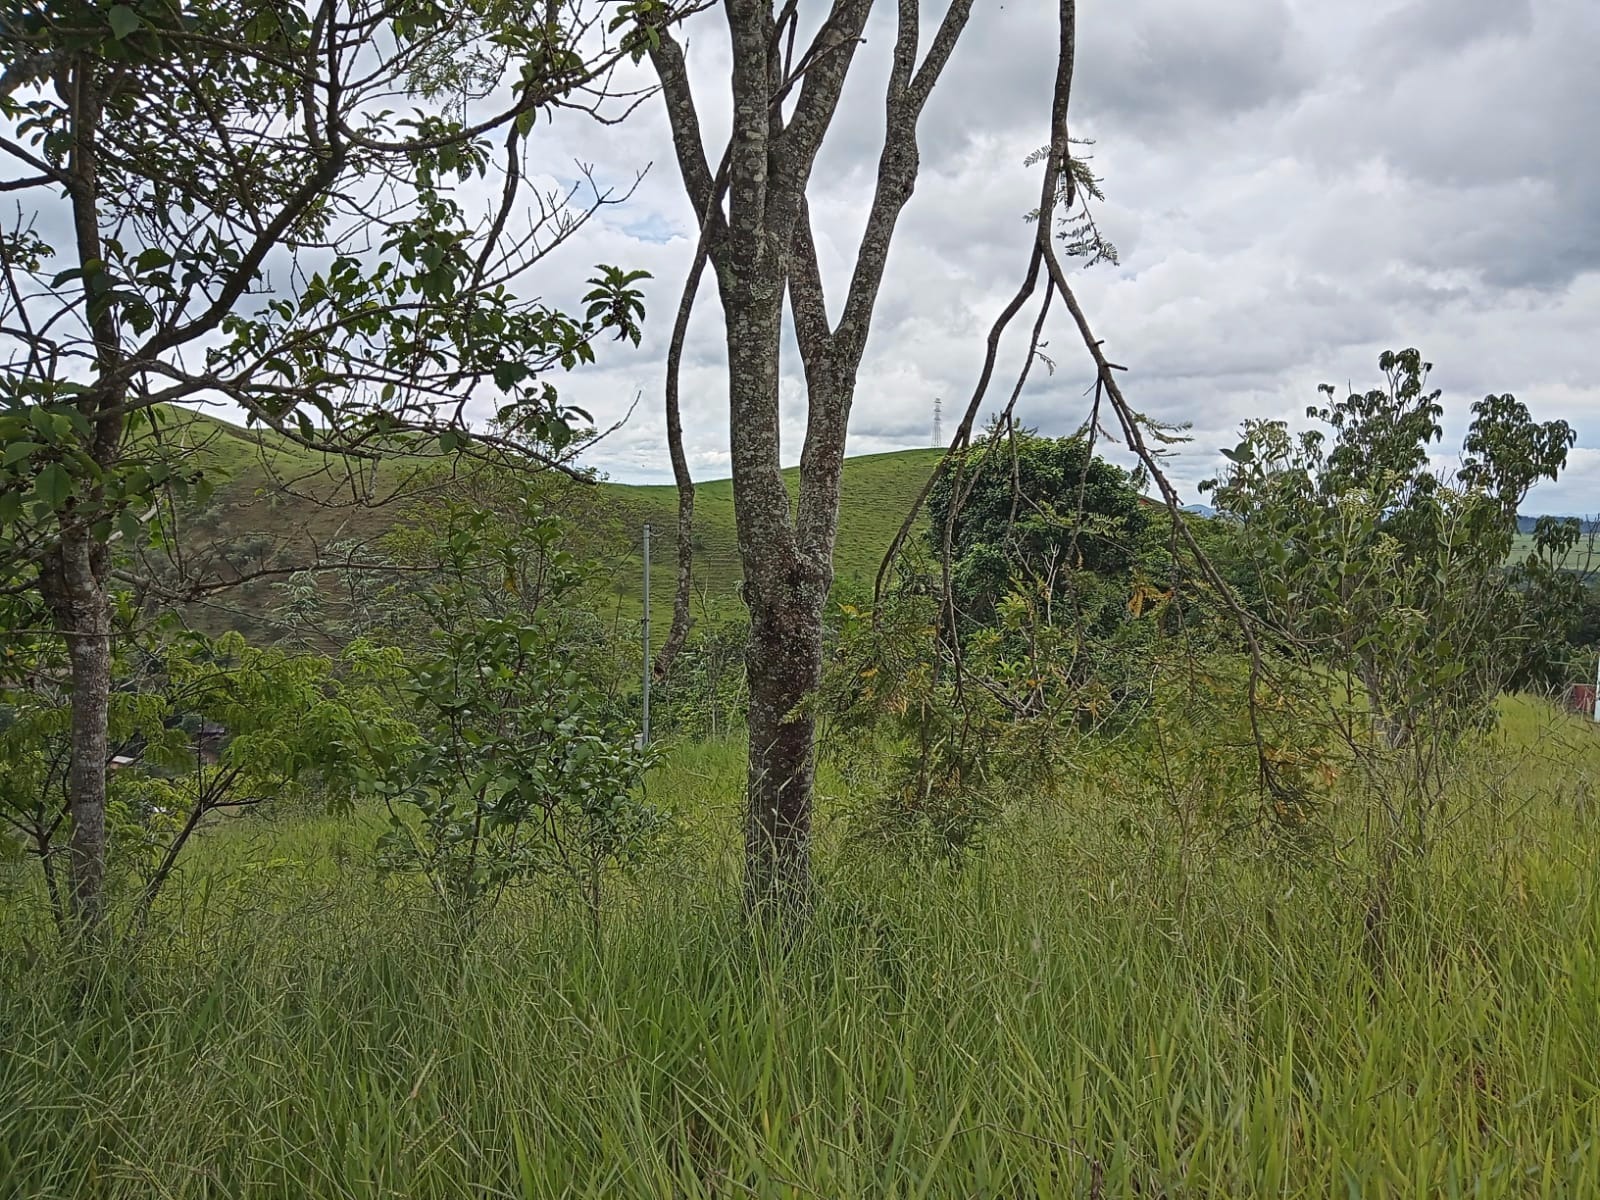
point(1294, 186)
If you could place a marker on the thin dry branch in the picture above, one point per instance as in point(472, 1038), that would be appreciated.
point(679, 631)
point(963, 432)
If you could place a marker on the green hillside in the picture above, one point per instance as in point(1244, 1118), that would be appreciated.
point(1583, 557)
point(331, 500)
point(878, 490)
point(277, 502)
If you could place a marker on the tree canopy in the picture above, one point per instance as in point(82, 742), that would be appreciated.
point(1017, 506)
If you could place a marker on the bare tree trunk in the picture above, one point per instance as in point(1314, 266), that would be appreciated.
point(78, 603)
point(784, 662)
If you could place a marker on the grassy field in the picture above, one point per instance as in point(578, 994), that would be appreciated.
point(1584, 557)
point(1095, 1008)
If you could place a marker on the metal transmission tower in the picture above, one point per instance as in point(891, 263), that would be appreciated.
point(938, 423)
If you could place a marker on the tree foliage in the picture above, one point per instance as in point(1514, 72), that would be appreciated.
point(1019, 509)
point(265, 205)
point(1372, 565)
point(523, 768)
point(1031, 618)
point(199, 727)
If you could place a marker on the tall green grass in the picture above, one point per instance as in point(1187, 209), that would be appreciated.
point(1069, 1016)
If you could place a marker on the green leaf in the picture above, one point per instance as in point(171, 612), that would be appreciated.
point(47, 423)
point(1242, 453)
point(53, 485)
point(508, 374)
point(123, 21)
point(152, 259)
point(17, 451)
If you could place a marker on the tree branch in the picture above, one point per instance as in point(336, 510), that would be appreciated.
point(897, 168)
point(823, 68)
point(832, 359)
point(684, 118)
point(963, 432)
point(679, 632)
point(807, 299)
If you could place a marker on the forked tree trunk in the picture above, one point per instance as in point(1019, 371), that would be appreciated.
point(762, 249)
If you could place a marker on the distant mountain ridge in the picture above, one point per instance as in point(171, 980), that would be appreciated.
point(1526, 524)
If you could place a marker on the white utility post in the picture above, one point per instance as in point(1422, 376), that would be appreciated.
point(644, 735)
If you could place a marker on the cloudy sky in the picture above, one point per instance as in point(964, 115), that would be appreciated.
point(1294, 186)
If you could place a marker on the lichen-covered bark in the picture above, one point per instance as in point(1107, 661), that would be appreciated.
point(762, 249)
point(79, 606)
point(784, 663)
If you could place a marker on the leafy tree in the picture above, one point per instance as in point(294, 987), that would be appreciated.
point(523, 768)
point(1017, 507)
point(929, 767)
point(1557, 607)
point(35, 741)
point(1032, 618)
point(256, 215)
point(289, 728)
point(197, 727)
point(705, 694)
point(942, 735)
point(1373, 566)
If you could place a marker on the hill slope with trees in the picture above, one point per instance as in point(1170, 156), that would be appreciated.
point(277, 505)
